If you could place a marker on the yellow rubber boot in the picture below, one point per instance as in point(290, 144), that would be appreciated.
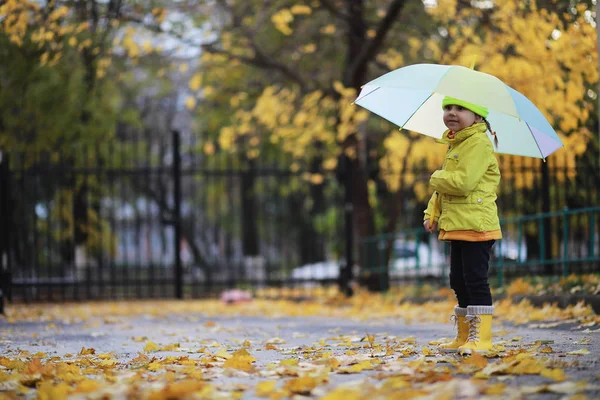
point(462, 331)
point(479, 319)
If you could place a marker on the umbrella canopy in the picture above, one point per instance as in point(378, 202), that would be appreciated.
point(411, 97)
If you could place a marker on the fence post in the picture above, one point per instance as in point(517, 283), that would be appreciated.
point(592, 230)
point(177, 214)
point(5, 227)
point(346, 278)
point(565, 268)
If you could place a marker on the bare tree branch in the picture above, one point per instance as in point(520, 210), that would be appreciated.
point(368, 52)
point(261, 59)
point(326, 4)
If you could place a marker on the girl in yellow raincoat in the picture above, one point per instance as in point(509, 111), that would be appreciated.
point(463, 208)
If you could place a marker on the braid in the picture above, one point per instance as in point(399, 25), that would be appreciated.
point(492, 132)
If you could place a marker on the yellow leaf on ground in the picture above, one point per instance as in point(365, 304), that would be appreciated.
point(151, 346)
point(411, 340)
point(85, 351)
point(171, 347)
point(557, 374)
point(361, 366)
point(87, 386)
point(568, 387)
point(179, 390)
point(580, 352)
point(140, 359)
point(476, 360)
point(33, 367)
point(343, 394)
point(275, 340)
point(265, 388)
point(240, 360)
point(48, 391)
point(303, 386)
point(223, 354)
point(155, 366)
point(427, 351)
point(527, 366)
point(370, 339)
point(108, 363)
point(495, 389)
point(546, 349)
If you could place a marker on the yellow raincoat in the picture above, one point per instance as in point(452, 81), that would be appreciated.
point(464, 201)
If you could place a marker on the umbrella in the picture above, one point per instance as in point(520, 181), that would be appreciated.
point(411, 97)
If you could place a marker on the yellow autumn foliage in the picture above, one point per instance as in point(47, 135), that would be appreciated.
point(531, 50)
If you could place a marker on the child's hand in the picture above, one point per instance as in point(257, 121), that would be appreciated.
point(431, 228)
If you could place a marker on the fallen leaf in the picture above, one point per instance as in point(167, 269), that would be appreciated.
point(426, 351)
point(546, 349)
point(240, 360)
point(178, 390)
point(370, 339)
point(151, 346)
point(85, 351)
point(171, 347)
point(275, 340)
point(568, 387)
point(476, 360)
point(582, 341)
point(495, 389)
point(140, 359)
point(580, 352)
point(48, 391)
point(87, 386)
point(289, 362)
point(303, 386)
point(266, 388)
point(556, 374)
point(526, 366)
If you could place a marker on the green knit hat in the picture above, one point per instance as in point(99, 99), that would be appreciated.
point(482, 111)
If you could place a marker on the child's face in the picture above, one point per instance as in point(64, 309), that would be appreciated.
point(458, 117)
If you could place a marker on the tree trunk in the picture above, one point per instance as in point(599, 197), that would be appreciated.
point(360, 52)
point(249, 225)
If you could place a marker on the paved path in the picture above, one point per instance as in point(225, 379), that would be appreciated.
point(292, 338)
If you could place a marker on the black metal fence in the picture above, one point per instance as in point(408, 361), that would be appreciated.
point(164, 217)
point(158, 218)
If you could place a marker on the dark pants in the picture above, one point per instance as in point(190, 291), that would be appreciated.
point(469, 263)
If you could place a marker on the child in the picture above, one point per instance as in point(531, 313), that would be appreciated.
point(463, 207)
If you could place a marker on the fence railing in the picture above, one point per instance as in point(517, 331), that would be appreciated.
point(139, 219)
point(550, 244)
point(152, 216)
